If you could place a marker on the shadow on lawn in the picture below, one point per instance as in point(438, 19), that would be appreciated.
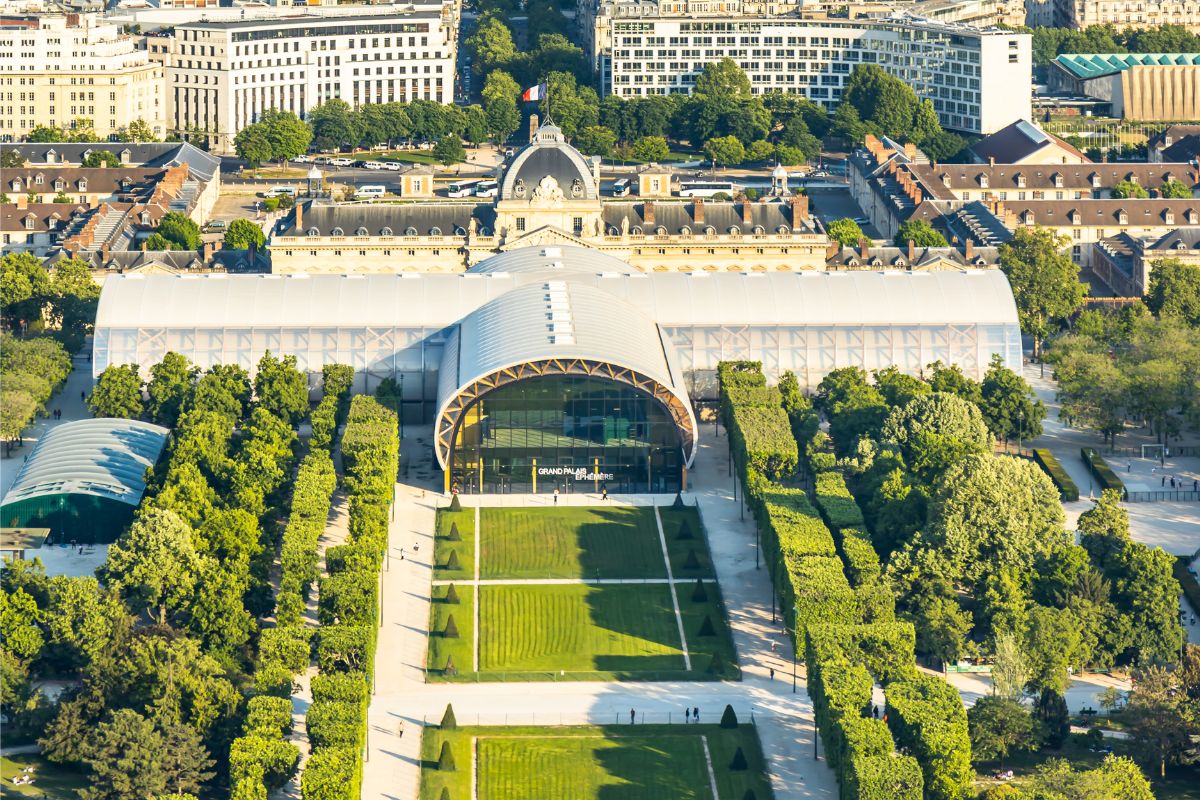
point(620, 542)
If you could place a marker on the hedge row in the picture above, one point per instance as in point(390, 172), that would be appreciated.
point(1101, 471)
point(348, 607)
point(336, 380)
point(763, 437)
point(311, 497)
point(844, 517)
point(927, 719)
point(1062, 481)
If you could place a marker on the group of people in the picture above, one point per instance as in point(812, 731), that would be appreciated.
point(689, 715)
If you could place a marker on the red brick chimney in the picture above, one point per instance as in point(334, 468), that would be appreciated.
point(648, 212)
point(864, 248)
point(747, 211)
point(969, 250)
point(206, 251)
point(104, 253)
point(299, 219)
point(698, 210)
point(912, 252)
point(910, 151)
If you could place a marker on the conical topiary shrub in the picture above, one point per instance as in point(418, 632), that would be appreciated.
point(454, 535)
point(728, 719)
point(737, 765)
point(455, 505)
point(450, 669)
point(451, 630)
point(452, 595)
point(749, 795)
point(685, 531)
point(450, 723)
point(446, 759)
point(445, 795)
point(678, 504)
point(452, 562)
point(699, 594)
point(706, 627)
point(717, 665)
point(692, 561)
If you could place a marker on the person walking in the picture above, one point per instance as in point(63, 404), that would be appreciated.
point(696, 714)
point(772, 669)
point(555, 495)
point(632, 716)
point(604, 493)
point(687, 715)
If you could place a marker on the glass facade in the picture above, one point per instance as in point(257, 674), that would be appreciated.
point(574, 433)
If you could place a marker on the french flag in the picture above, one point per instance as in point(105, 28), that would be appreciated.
point(534, 93)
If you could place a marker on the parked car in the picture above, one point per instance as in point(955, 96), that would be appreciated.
point(302, 159)
point(323, 160)
point(279, 191)
point(372, 165)
point(341, 162)
point(394, 166)
point(861, 221)
point(215, 226)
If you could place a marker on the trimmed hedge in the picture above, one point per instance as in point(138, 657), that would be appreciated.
point(332, 724)
point(346, 648)
point(334, 773)
point(927, 718)
point(272, 757)
point(269, 716)
point(1101, 471)
point(884, 648)
point(1062, 481)
point(349, 597)
point(762, 437)
point(288, 647)
point(837, 505)
point(889, 777)
point(340, 687)
point(862, 562)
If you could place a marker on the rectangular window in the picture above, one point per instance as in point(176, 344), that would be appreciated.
point(521, 224)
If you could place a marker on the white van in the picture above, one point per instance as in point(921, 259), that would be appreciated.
point(487, 189)
point(373, 165)
point(279, 191)
point(369, 192)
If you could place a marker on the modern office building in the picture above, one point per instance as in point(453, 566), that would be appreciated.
point(222, 75)
point(1146, 87)
point(56, 69)
point(978, 79)
point(559, 361)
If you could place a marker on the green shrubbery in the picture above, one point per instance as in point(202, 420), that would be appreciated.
point(1101, 471)
point(269, 716)
point(926, 717)
point(1062, 481)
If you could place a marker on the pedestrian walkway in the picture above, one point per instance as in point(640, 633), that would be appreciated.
point(68, 400)
point(558, 581)
point(403, 702)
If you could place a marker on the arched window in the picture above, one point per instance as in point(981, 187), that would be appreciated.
point(313, 232)
point(613, 230)
point(337, 232)
point(709, 230)
point(410, 231)
point(685, 231)
point(38, 179)
point(385, 231)
point(783, 230)
point(485, 231)
point(435, 231)
point(759, 230)
point(362, 232)
point(636, 230)
point(734, 230)
point(661, 230)
point(458, 231)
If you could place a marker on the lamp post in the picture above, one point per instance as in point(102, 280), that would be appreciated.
point(400, 406)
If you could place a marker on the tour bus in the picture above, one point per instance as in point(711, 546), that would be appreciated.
point(461, 188)
point(707, 188)
point(369, 192)
point(620, 187)
point(487, 189)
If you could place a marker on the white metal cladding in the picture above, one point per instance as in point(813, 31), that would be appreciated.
point(102, 457)
point(562, 321)
point(807, 322)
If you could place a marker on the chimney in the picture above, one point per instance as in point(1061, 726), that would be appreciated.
point(145, 246)
point(969, 250)
point(799, 210)
point(253, 250)
point(698, 210)
point(206, 252)
point(863, 248)
point(648, 212)
point(910, 151)
point(22, 200)
point(299, 218)
point(747, 211)
point(533, 126)
point(991, 161)
point(104, 253)
point(833, 249)
point(912, 252)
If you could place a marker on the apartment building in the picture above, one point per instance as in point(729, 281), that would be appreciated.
point(1128, 13)
point(55, 69)
point(979, 80)
point(221, 76)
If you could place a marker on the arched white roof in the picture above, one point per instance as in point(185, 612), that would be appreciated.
point(102, 457)
point(558, 327)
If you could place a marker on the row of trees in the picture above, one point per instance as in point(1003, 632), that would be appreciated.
point(83, 129)
point(1049, 43)
point(31, 371)
point(60, 301)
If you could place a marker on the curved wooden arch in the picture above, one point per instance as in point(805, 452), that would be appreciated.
point(451, 414)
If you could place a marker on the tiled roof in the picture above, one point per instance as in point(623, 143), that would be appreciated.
point(1018, 141)
point(1097, 213)
point(423, 218)
point(13, 219)
point(1003, 177)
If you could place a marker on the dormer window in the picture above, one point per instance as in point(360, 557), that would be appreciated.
point(1028, 218)
point(362, 232)
point(410, 231)
point(435, 231)
point(125, 182)
point(1095, 177)
point(946, 180)
point(1132, 178)
point(337, 232)
point(30, 219)
point(83, 184)
point(1122, 217)
point(983, 180)
point(661, 230)
point(1058, 180)
point(59, 184)
point(125, 154)
point(145, 217)
point(38, 179)
point(1169, 217)
point(385, 231)
point(1192, 216)
point(1075, 216)
point(1020, 181)
point(16, 185)
point(51, 156)
point(1180, 245)
point(313, 232)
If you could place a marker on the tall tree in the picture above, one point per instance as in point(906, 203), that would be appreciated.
point(281, 388)
point(124, 758)
point(1044, 280)
point(25, 287)
point(920, 233)
point(288, 135)
point(252, 144)
point(449, 150)
point(118, 392)
point(723, 78)
point(500, 93)
point(1009, 406)
point(1175, 290)
point(154, 564)
point(179, 229)
point(999, 726)
point(242, 233)
point(171, 381)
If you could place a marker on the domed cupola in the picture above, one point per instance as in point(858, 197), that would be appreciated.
point(549, 170)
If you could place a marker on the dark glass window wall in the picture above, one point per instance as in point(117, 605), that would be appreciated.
point(574, 433)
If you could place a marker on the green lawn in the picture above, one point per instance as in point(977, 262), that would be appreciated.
point(465, 548)
point(49, 780)
point(680, 549)
point(570, 543)
point(442, 647)
point(613, 628)
point(643, 762)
